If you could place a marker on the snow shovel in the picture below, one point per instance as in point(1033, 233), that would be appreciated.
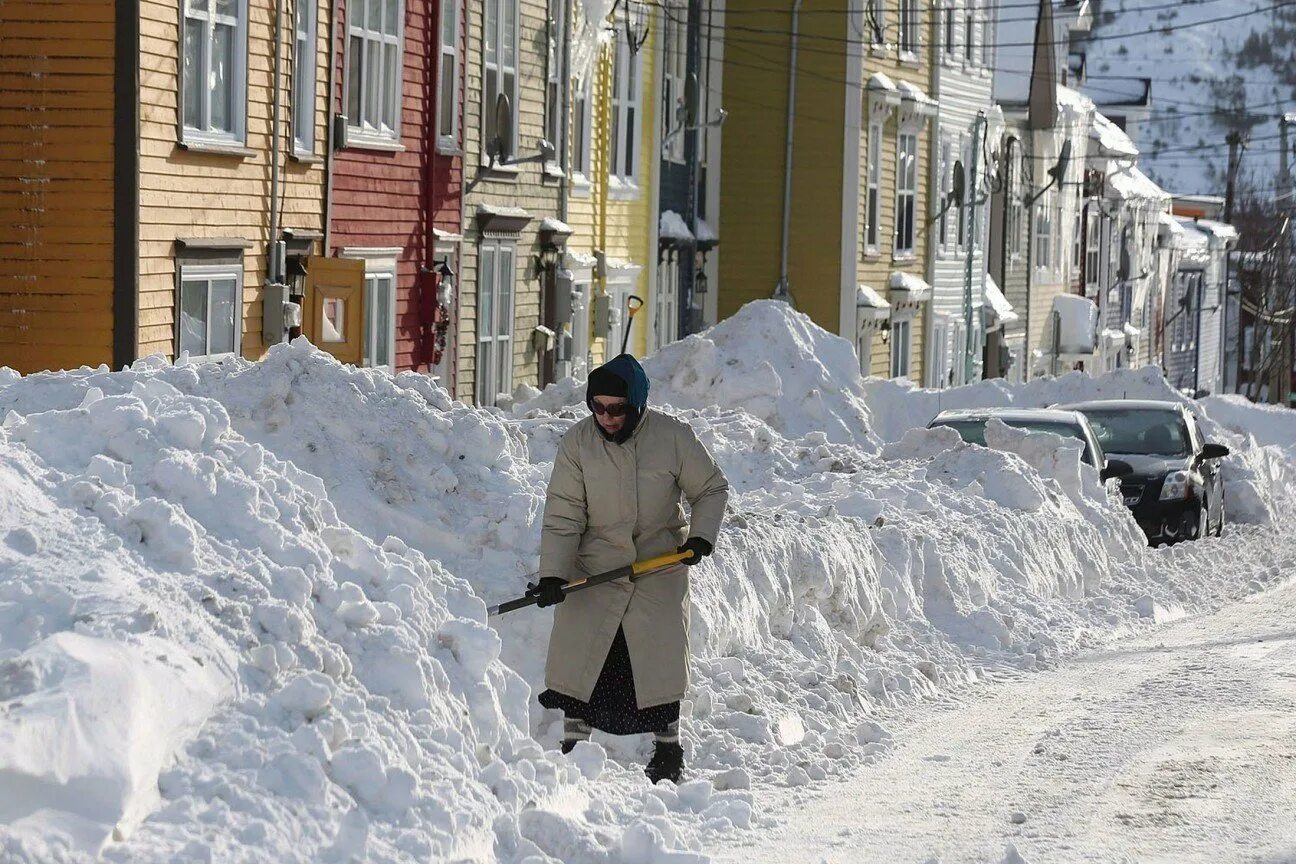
point(633, 305)
point(634, 571)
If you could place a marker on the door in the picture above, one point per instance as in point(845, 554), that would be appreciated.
point(334, 315)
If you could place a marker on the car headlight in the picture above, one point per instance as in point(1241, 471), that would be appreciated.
point(1178, 486)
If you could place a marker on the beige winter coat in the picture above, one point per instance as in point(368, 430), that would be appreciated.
point(610, 505)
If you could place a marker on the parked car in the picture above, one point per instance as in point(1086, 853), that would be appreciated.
point(970, 424)
point(1175, 490)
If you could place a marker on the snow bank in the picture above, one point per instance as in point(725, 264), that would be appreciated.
point(321, 542)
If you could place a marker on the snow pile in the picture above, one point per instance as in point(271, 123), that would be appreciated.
point(1266, 425)
point(767, 360)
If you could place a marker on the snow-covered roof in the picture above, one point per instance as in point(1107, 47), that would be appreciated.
point(1073, 99)
point(869, 303)
point(913, 93)
point(1218, 230)
point(998, 303)
point(1112, 140)
point(915, 286)
point(1078, 323)
point(1127, 181)
point(1193, 239)
point(670, 226)
point(879, 81)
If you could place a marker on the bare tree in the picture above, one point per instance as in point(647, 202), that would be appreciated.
point(1267, 296)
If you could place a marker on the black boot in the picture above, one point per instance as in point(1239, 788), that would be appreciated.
point(667, 762)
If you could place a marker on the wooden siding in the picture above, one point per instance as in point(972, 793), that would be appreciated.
point(56, 184)
point(394, 199)
point(751, 182)
point(526, 186)
point(185, 193)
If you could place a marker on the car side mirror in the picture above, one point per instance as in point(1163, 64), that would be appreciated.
point(1214, 451)
point(1116, 468)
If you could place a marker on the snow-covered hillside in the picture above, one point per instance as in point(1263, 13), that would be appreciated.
point(1215, 66)
point(242, 606)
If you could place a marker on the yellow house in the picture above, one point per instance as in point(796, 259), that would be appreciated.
point(614, 142)
point(821, 202)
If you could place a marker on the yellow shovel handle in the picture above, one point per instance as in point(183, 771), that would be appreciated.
point(641, 567)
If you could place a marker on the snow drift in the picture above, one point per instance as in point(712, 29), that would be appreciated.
point(310, 548)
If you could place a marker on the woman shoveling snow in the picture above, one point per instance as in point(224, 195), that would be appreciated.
point(619, 652)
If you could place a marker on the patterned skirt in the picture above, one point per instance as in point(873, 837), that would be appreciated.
point(612, 707)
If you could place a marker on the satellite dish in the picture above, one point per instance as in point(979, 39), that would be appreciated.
point(1058, 171)
point(691, 100)
point(547, 150)
point(500, 148)
point(959, 192)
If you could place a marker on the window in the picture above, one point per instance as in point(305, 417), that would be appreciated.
point(581, 130)
point(304, 56)
point(499, 57)
point(666, 302)
point(1077, 232)
point(580, 329)
point(946, 183)
point(958, 359)
point(906, 191)
point(373, 90)
point(448, 78)
point(951, 36)
point(554, 83)
point(380, 316)
point(1044, 233)
point(1248, 347)
point(210, 311)
point(876, 22)
point(1015, 203)
point(986, 42)
point(625, 110)
point(901, 347)
point(969, 33)
point(213, 94)
point(674, 72)
point(1059, 262)
point(1093, 240)
point(872, 230)
point(908, 26)
point(939, 362)
point(495, 321)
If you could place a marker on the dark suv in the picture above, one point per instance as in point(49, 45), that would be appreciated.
point(1175, 490)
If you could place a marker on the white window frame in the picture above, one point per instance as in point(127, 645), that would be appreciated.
point(380, 263)
point(949, 33)
point(581, 119)
point(877, 27)
point(674, 73)
point(908, 30)
point(620, 286)
point(492, 344)
point(554, 84)
point(1044, 232)
point(448, 67)
point(305, 55)
point(209, 273)
point(1016, 208)
point(361, 133)
point(204, 133)
point(938, 362)
point(906, 188)
point(666, 303)
point(501, 68)
point(626, 99)
point(969, 34)
point(957, 367)
point(901, 348)
point(581, 359)
point(873, 194)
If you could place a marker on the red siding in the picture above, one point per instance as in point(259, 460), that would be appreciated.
point(385, 199)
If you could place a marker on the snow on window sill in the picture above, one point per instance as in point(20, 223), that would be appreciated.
point(365, 139)
point(580, 185)
point(905, 257)
point(449, 146)
point(622, 189)
point(197, 142)
point(554, 171)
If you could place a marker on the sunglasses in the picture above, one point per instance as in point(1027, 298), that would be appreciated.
point(615, 410)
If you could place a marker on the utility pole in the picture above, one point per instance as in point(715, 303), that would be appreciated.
point(970, 201)
point(1235, 141)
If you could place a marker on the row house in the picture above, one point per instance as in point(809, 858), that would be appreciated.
point(826, 198)
point(208, 178)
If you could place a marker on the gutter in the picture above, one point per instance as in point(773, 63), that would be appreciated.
point(783, 291)
point(334, 14)
point(126, 163)
point(272, 265)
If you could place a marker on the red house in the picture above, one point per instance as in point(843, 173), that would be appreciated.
point(395, 197)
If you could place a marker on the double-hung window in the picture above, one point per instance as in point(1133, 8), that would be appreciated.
point(213, 89)
point(908, 26)
point(499, 57)
point(625, 110)
point(969, 32)
point(674, 57)
point(495, 321)
point(1044, 233)
point(210, 310)
point(906, 191)
point(304, 57)
point(448, 78)
point(554, 83)
point(581, 129)
point(380, 315)
point(950, 22)
point(373, 96)
point(901, 347)
point(873, 206)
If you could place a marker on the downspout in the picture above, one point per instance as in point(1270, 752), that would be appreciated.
point(126, 161)
point(427, 285)
point(273, 263)
point(328, 126)
point(565, 130)
point(1029, 216)
point(607, 145)
point(783, 291)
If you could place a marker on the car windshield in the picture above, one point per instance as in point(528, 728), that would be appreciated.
point(973, 430)
point(1139, 432)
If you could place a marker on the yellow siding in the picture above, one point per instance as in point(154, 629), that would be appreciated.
point(190, 194)
point(751, 183)
point(56, 184)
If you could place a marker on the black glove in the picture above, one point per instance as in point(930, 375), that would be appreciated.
point(699, 547)
point(548, 591)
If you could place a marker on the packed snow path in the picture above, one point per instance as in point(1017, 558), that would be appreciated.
point(1179, 745)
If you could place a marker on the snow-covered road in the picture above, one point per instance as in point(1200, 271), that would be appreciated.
point(1176, 746)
